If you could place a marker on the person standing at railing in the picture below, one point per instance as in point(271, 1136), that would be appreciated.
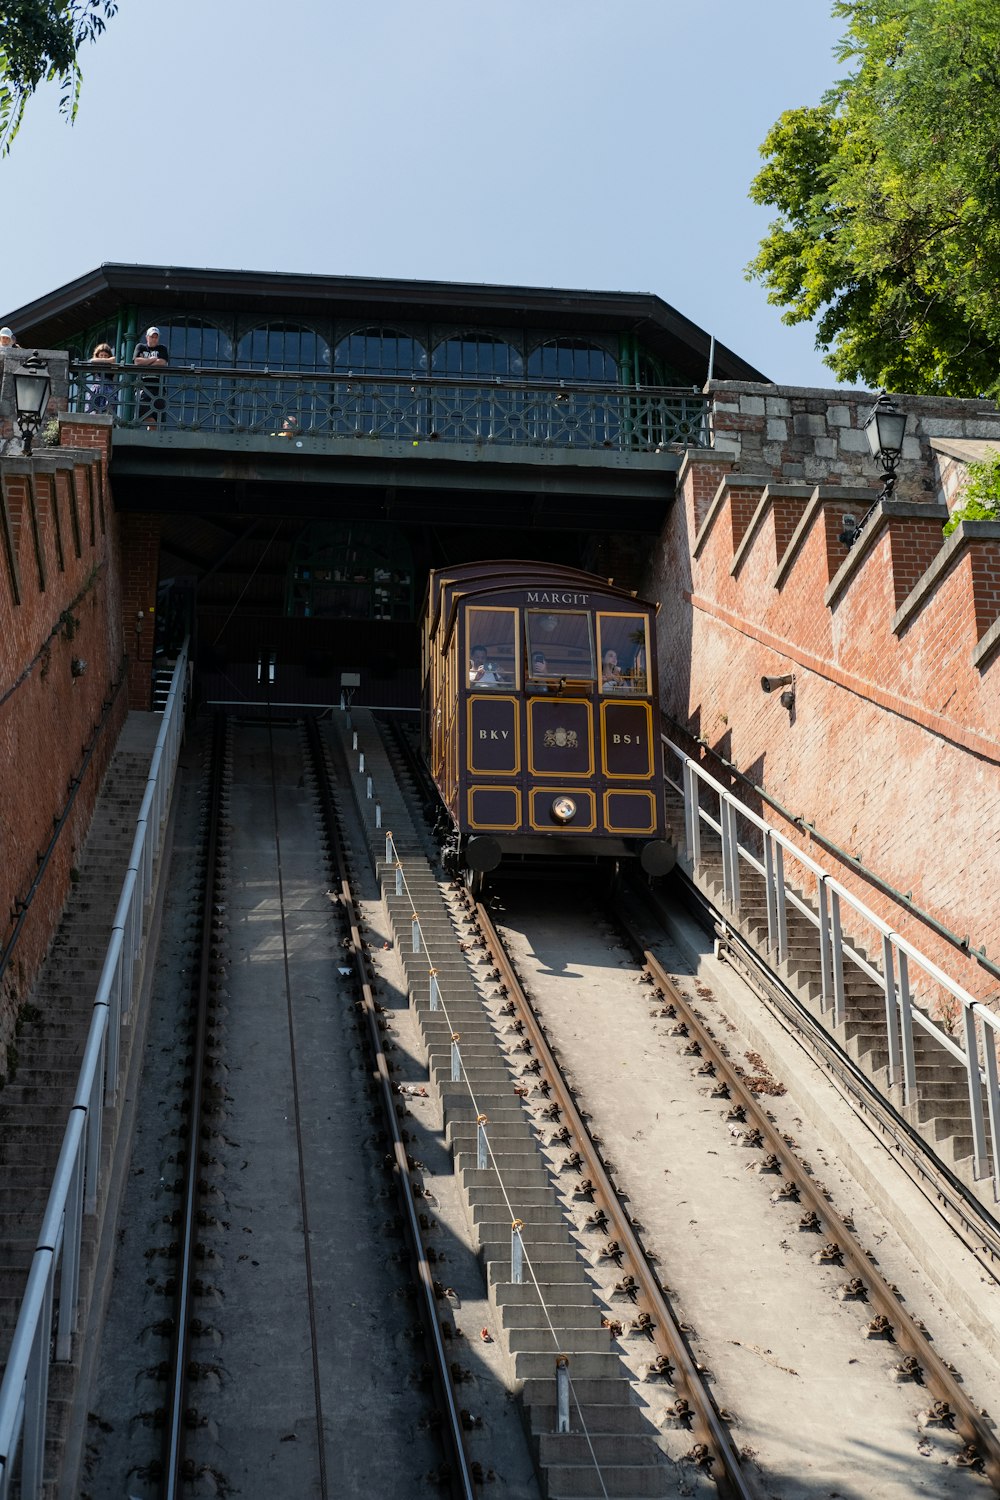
point(100, 386)
point(149, 352)
point(7, 340)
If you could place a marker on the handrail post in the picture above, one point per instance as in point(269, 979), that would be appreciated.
point(69, 1282)
point(891, 1012)
point(415, 928)
point(771, 893)
point(36, 1400)
point(906, 1026)
point(837, 954)
point(824, 944)
point(691, 814)
point(975, 1091)
point(779, 892)
point(93, 1134)
point(730, 853)
point(989, 1039)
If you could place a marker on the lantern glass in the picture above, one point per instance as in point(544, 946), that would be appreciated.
point(884, 429)
point(31, 393)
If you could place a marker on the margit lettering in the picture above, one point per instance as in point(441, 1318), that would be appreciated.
point(494, 734)
point(540, 596)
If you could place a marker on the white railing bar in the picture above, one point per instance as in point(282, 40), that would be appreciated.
point(23, 1390)
point(927, 965)
point(992, 1099)
point(974, 1080)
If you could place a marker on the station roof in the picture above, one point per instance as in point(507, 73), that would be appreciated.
point(53, 320)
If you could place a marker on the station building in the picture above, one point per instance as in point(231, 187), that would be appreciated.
point(278, 493)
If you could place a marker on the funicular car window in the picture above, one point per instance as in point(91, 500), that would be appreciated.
point(623, 642)
point(559, 645)
point(491, 648)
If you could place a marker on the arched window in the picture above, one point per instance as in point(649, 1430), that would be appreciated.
point(477, 356)
point(193, 341)
point(283, 346)
point(573, 360)
point(380, 351)
point(654, 372)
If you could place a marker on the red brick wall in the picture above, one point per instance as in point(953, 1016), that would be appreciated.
point(48, 715)
point(892, 748)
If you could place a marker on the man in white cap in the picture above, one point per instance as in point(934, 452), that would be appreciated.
point(151, 354)
point(7, 339)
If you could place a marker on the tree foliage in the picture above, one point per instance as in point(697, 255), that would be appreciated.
point(981, 495)
point(39, 42)
point(888, 194)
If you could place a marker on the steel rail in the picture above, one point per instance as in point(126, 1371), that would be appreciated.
point(936, 1375)
point(724, 1463)
point(463, 1483)
point(173, 1432)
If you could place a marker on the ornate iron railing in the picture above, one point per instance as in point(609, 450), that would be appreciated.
point(416, 410)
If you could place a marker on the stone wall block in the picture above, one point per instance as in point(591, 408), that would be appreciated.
point(809, 424)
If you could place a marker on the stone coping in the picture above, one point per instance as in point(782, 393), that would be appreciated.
point(932, 510)
point(771, 493)
point(48, 460)
point(729, 482)
point(952, 549)
point(822, 495)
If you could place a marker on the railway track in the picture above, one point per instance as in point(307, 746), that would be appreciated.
point(934, 1416)
point(483, 1230)
point(271, 1164)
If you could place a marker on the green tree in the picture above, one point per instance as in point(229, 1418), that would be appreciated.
point(39, 42)
point(888, 196)
point(981, 495)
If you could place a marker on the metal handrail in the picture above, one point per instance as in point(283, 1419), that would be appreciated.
point(75, 1185)
point(418, 407)
point(979, 1025)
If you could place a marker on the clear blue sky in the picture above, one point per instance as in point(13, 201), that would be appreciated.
point(577, 143)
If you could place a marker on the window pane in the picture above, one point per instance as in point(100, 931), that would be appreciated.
point(473, 355)
point(492, 653)
point(283, 346)
point(573, 360)
point(560, 645)
point(380, 351)
point(189, 341)
point(624, 653)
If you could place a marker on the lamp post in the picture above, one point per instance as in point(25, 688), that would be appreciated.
point(884, 429)
point(31, 396)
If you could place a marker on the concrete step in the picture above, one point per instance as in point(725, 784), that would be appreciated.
point(617, 1418)
point(531, 1364)
point(624, 1482)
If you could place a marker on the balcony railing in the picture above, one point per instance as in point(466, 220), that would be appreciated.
point(415, 410)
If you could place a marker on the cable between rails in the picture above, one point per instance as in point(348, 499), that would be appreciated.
point(514, 1217)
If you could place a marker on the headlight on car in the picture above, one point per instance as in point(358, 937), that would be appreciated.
point(563, 809)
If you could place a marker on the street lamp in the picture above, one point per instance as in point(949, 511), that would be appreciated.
point(884, 429)
point(31, 395)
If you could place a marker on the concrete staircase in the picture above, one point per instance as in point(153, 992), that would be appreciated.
point(940, 1113)
point(562, 1313)
point(35, 1103)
